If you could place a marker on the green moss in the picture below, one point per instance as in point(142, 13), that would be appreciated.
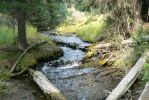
point(40, 54)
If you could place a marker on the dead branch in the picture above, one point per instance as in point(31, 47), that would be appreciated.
point(125, 42)
point(21, 56)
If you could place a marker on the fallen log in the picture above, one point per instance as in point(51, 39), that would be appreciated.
point(129, 79)
point(46, 86)
point(125, 42)
point(26, 50)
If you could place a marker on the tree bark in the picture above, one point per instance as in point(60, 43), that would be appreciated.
point(22, 40)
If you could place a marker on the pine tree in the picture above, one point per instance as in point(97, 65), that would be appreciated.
point(40, 13)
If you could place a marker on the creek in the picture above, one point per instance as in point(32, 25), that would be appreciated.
point(66, 74)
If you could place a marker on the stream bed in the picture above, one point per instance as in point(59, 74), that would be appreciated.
point(74, 81)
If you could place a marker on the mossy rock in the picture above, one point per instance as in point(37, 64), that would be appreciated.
point(31, 58)
point(44, 53)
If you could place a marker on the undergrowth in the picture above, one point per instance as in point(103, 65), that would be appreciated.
point(89, 27)
point(141, 45)
point(91, 31)
point(7, 36)
point(9, 53)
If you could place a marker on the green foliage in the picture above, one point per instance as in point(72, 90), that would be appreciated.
point(100, 6)
point(7, 36)
point(40, 13)
point(91, 31)
point(47, 15)
point(4, 74)
point(141, 44)
point(141, 40)
point(145, 75)
point(3, 87)
point(9, 55)
point(58, 12)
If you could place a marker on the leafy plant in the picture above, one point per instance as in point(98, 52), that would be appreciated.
point(3, 87)
point(146, 73)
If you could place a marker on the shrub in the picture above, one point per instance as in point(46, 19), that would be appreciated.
point(146, 73)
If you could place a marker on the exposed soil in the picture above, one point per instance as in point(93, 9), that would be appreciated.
point(22, 89)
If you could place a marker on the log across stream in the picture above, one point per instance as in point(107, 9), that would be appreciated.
point(71, 79)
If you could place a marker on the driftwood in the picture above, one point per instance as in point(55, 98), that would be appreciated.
point(125, 42)
point(129, 79)
point(107, 59)
point(46, 86)
point(21, 56)
point(145, 93)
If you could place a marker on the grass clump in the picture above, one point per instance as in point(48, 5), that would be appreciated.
point(3, 88)
point(146, 73)
point(89, 27)
point(94, 29)
point(7, 36)
point(4, 75)
point(63, 29)
point(90, 32)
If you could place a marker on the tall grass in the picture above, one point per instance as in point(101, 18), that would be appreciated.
point(7, 36)
point(91, 31)
point(146, 72)
point(88, 27)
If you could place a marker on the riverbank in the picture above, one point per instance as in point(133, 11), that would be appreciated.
point(22, 89)
point(9, 54)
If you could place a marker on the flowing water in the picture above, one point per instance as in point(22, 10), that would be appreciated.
point(75, 82)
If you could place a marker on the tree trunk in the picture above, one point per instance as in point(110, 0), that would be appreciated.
point(22, 40)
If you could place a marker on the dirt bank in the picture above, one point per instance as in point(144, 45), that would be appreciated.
point(22, 89)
